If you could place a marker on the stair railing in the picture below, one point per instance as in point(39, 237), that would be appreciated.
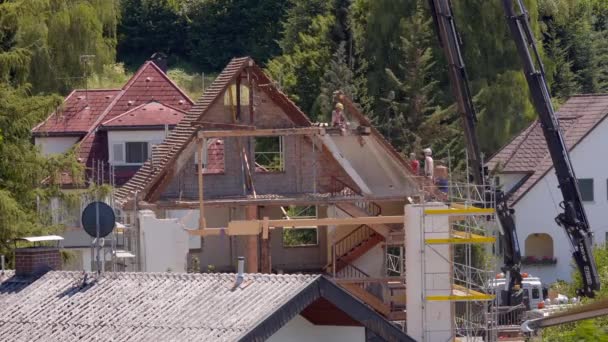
point(352, 240)
point(341, 188)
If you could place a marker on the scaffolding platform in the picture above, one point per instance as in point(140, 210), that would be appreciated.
point(454, 245)
point(457, 237)
point(461, 294)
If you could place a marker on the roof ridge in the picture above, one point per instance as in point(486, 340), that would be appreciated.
point(125, 113)
point(197, 111)
point(97, 89)
point(99, 120)
point(515, 199)
point(140, 71)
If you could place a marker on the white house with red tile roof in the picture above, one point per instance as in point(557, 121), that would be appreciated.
point(525, 170)
point(113, 132)
point(149, 102)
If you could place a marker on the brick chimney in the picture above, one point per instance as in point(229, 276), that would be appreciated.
point(35, 261)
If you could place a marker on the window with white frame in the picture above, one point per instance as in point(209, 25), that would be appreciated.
point(300, 236)
point(269, 155)
point(131, 152)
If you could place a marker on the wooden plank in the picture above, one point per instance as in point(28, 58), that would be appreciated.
point(341, 221)
point(265, 251)
point(201, 214)
point(368, 299)
point(469, 211)
point(242, 227)
point(260, 132)
point(221, 125)
point(249, 227)
point(265, 228)
point(251, 213)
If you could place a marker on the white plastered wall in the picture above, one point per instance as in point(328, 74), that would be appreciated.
point(427, 320)
point(536, 211)
point(55, 145)
point(301, 330)
point(164, 243)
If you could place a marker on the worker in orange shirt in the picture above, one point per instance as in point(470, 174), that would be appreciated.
point(415, 164)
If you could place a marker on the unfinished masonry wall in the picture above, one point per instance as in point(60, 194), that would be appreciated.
point(299, 161)
point(222, 251)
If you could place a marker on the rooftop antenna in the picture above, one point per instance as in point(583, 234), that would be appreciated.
point(85, 61)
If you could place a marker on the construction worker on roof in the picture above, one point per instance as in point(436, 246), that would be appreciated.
point(428, 163)
point(337, 117)
point(414, 163)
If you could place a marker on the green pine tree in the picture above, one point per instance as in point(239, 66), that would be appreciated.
point(337, 76)
point(410, 101)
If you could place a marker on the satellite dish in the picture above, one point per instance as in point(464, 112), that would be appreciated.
point(98, 213)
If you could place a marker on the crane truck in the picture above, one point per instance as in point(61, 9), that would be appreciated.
point(573, 218)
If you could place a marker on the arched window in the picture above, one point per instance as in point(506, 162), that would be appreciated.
point(539, 245)
point(231, 95)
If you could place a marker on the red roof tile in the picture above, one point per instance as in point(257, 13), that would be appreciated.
point(148, 84)
point(79, 113)
point(528, 153)
point(148, 114)
point(178, 139)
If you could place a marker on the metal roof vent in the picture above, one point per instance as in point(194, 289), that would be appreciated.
point(130, 102)
point(181, 102)
point(240, 271)
point(148, 79)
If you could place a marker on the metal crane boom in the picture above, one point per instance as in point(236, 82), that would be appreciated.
point(573, 218)
point(450, 42)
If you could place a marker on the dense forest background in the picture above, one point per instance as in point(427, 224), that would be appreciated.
point(381, 52)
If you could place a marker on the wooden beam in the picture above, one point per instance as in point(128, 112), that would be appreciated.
point(221, 125)
point(260, 132)
point(251, 213)
point(288, 224)
point(303, 200)
point(201, 201)
point(265, 250)
point(341, 221)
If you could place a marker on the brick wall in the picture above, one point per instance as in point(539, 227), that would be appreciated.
point(36, 260)
point(298, 177)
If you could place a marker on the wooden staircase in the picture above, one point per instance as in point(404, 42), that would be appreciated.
point(352, 246)
point(384, 295)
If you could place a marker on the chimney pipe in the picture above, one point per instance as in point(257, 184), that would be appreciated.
point(240, 270)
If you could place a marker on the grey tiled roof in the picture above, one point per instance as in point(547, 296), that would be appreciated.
point(142, 306)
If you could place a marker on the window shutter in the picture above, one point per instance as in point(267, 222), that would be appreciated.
point(118, 153)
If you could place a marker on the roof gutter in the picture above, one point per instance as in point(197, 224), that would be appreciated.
point(136, 128)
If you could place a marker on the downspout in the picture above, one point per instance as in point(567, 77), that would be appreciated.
point(137, 232)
